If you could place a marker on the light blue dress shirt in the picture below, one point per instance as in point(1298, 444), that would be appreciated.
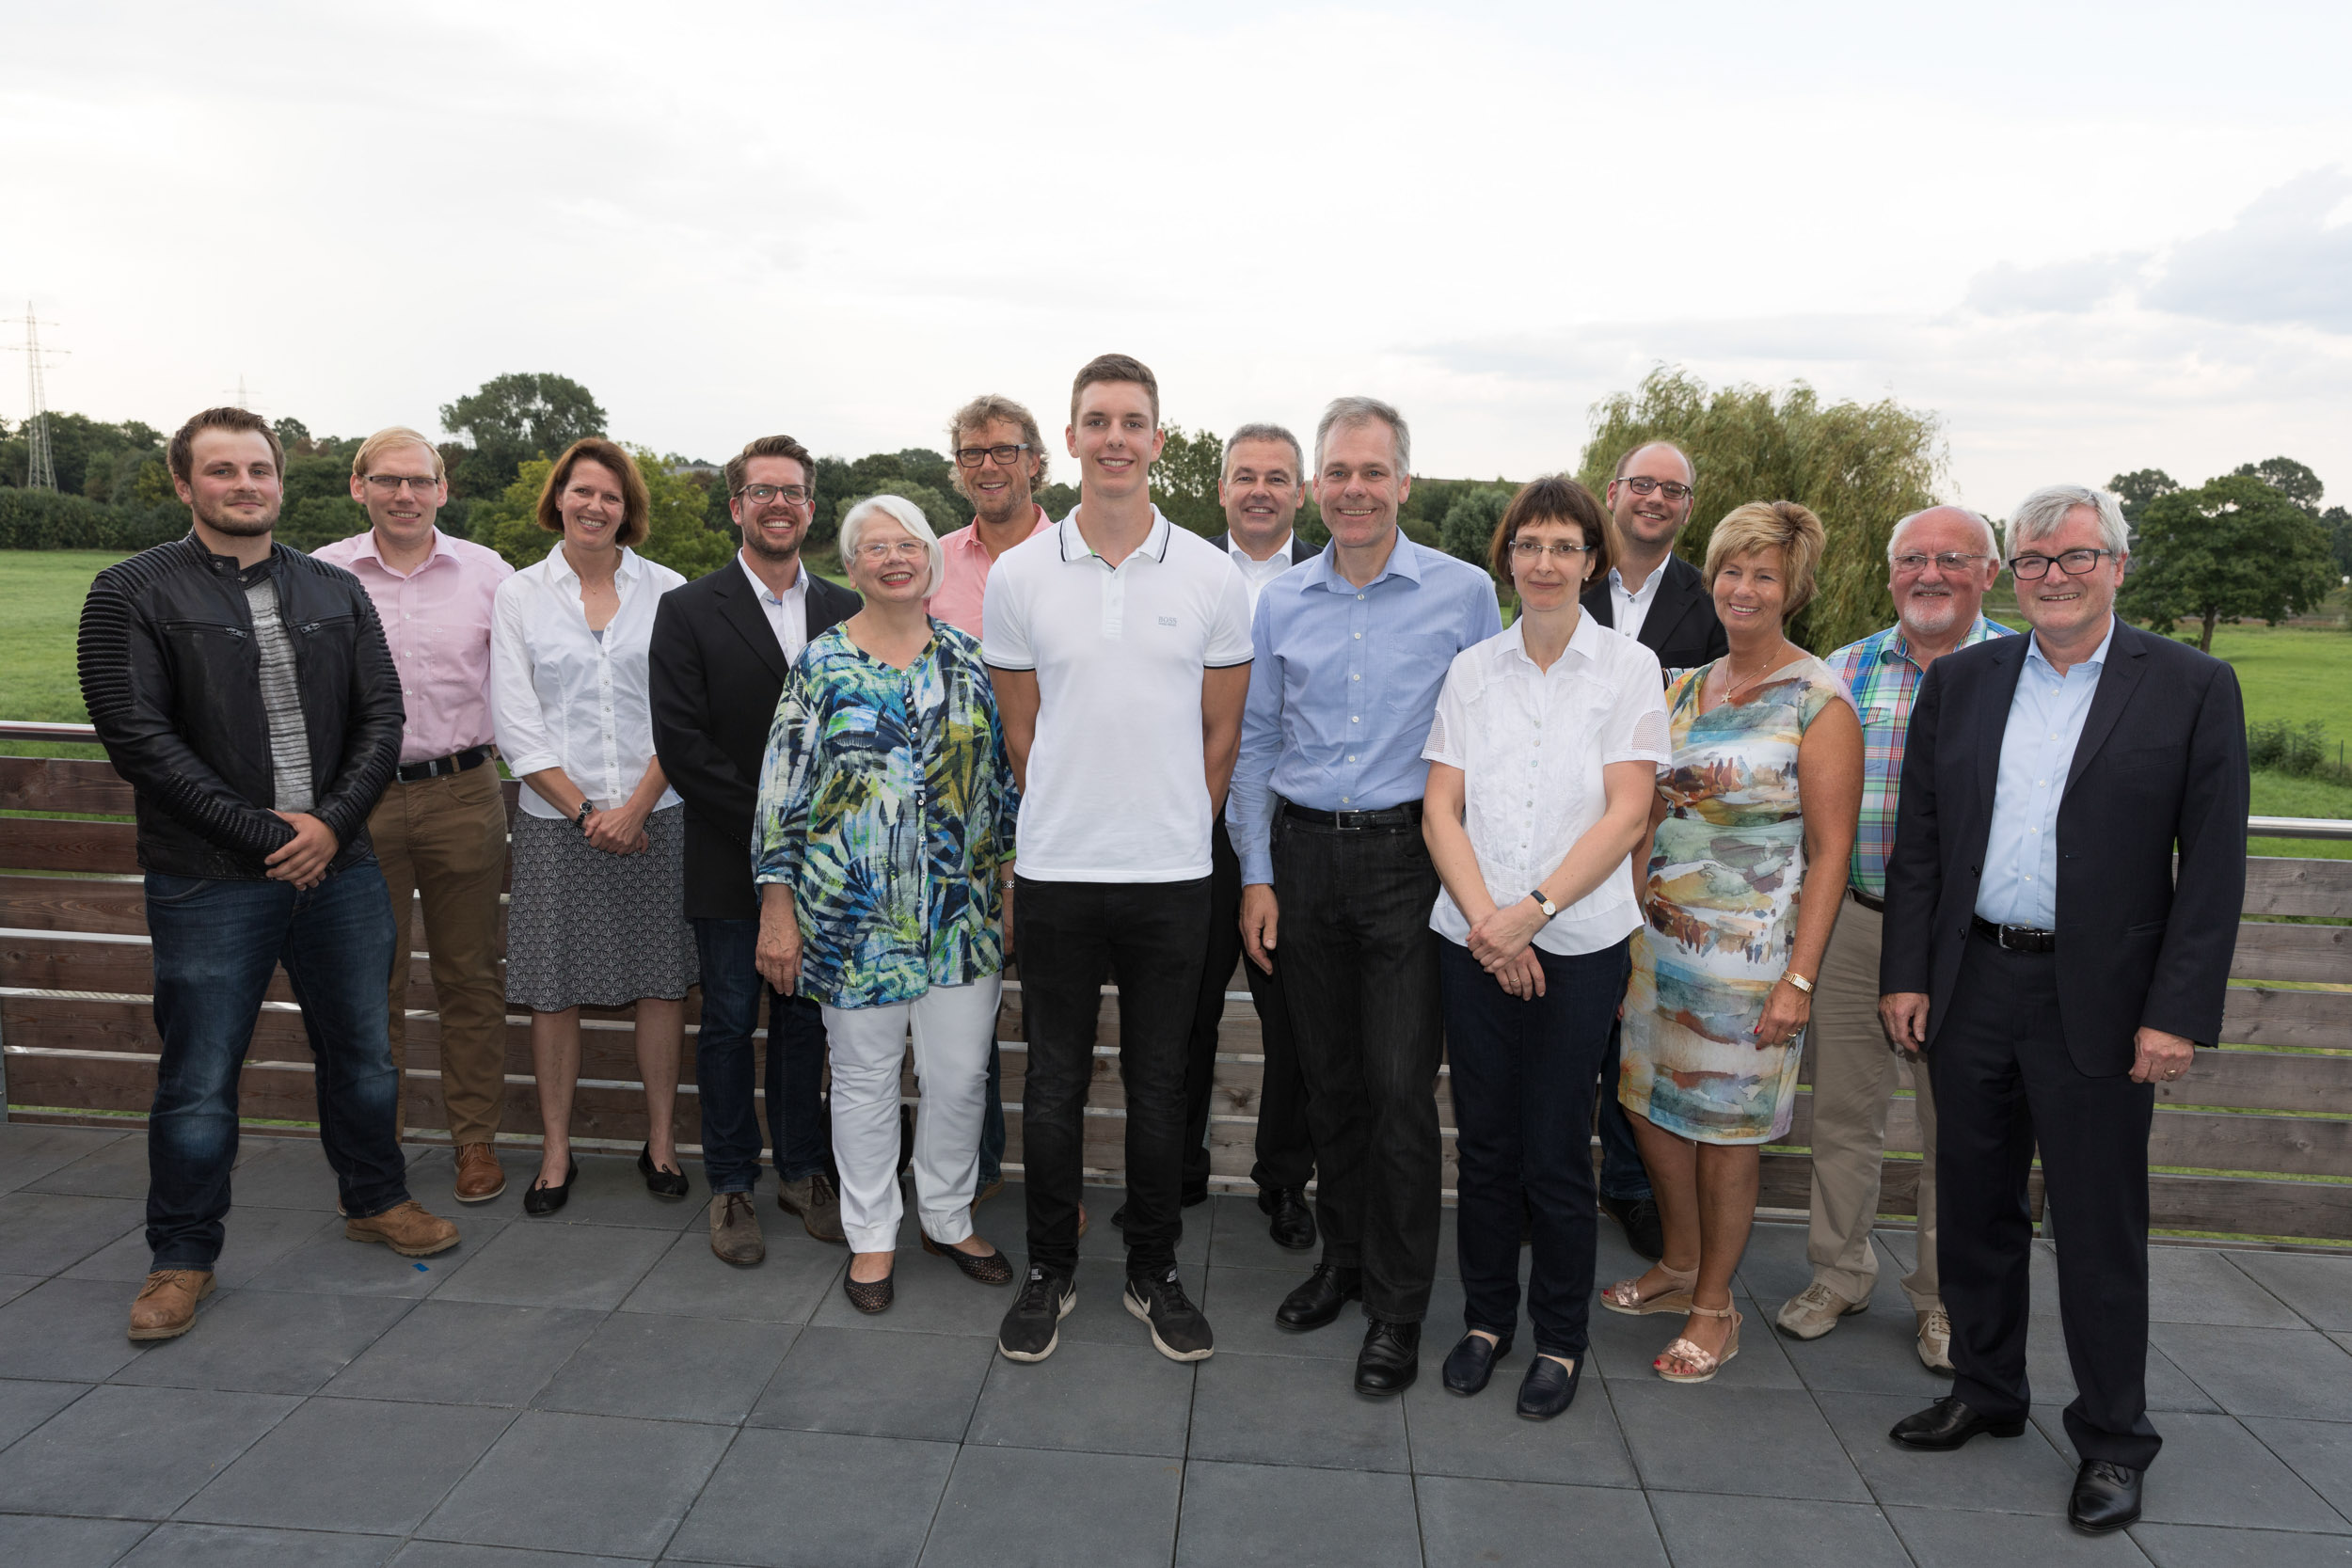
point(2046, 720)
point(1343, 683)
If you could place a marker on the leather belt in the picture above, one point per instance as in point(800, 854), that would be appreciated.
point(1406, 815)
point(2014, 938)
point(1876, 905)
point(456, 761)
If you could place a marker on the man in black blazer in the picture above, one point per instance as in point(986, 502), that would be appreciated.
point(722, 647)
point(2043, 952)
point(1659, 599)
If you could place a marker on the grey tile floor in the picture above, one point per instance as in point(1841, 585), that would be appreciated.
point(597, 1388)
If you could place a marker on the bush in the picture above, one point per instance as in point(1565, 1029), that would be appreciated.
point(2299, 751)
point(47, 520)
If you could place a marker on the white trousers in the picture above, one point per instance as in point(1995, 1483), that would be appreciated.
point(953, 1028)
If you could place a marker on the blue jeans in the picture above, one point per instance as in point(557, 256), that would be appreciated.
point(216, 942)
point(1623, 1176)
point(800, 1130)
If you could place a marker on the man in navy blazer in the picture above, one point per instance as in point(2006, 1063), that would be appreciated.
point(2045, 955)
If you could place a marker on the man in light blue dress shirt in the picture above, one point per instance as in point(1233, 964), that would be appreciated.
point(2045, 723)
point(1349, 653)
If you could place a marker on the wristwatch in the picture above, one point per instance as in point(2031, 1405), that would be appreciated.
point(1544, 904)
point(580, 817)
point(1798, 980)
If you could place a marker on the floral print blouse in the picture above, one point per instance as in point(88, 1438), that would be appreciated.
point(887, 804)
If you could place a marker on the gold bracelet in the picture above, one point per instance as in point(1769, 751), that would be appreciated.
point(1798, 980)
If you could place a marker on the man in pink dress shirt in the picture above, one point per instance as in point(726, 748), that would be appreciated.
point(440, 829)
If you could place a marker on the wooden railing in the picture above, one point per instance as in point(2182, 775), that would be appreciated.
point(2256, 1141)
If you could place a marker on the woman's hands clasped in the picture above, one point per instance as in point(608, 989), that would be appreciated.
point(619, 831)
point(1501, 944)
point(1786, 1011)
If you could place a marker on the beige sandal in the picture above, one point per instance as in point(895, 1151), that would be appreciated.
point(1626, 1295)
point(1703, 1365)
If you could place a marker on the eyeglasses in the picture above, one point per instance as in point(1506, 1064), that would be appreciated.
point(390, 485)
point(1532, 550)
point(2073, 562)
point(1006, 456)
point(791, 495)
point(1642, 485)
point(903, 550)
point(1952, 561)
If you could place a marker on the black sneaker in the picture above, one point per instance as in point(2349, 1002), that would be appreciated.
point(1179, 1328)
point(1032, 1326)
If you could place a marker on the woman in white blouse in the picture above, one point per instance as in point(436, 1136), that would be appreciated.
point(1543, 763)
point(597, 917)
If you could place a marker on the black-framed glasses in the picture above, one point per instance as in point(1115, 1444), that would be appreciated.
point(791, 495)
point(1953, 562)
point(2073, 564)
point(1006, 455)
point(390, 485)
point(1642, 485)
point(1535, 549)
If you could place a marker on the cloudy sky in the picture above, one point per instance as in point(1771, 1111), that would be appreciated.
point(2091, 237)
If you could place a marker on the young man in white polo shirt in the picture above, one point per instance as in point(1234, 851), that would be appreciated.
point(1119, 648)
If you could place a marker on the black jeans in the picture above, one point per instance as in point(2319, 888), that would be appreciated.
point(1621, 1174)
point(800, 1129)
point(1071, 936)
point(1360, 969)
point(2001, 1070)
point(1523, 1075)
point(1286, 1153)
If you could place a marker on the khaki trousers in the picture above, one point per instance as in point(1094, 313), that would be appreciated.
point(445, 839)
point(1855, 1075)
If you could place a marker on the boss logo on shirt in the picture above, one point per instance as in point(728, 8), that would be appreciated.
point(1168, 620)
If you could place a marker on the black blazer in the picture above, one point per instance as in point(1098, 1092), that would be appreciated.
point(717, 670)
point(1681, 627)
point(1300, 549)
point(2161, 762)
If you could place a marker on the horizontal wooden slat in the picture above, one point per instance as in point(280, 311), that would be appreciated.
point(2269, 950)
point(58, 784)
point(2316, 889)
point(2252, 1015)
point(54, 844)
point(73, 904)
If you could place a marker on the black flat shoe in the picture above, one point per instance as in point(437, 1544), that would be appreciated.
point(869, 1296)
point(2106, 1496)
point(1391, 1359)
point(1289, 1221)
point(1472, 1362)
point(1548, 1387)
point(1946, 1424)
point(544, 1200)
point(989, 1268)
point(662, 1183)
point(1318, 1301)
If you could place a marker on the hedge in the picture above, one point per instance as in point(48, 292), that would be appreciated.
point(45, 520)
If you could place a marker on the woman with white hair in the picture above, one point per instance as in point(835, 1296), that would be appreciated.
point(885, 825)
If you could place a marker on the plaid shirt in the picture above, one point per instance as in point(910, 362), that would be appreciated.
point(1880, 672)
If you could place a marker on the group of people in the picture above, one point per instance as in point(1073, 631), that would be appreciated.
point(1610, 869)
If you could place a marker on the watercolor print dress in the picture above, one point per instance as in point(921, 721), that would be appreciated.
point(1719, 912)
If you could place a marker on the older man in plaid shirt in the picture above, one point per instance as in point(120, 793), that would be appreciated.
point(1940, 562)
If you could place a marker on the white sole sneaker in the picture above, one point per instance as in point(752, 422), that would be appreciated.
point(1138, 1310)
point(1068, 1301)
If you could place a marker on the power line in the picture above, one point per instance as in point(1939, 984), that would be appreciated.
point(40, 472)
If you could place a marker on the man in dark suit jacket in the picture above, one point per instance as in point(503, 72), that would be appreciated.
point(1660, 600)
point(722, 647)
point(2043, 952)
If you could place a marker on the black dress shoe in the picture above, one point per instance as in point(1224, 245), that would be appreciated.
point(1946, 1424)
point(1548, 1387)
point(662, 1183)
point(1317, 1303)
point(2106, 1496)
point(1644, 1232)
point(1289, 1221)
point(1472, 1362)
point(547, 1200)
point(1192, 1197)
point(1391, 1358)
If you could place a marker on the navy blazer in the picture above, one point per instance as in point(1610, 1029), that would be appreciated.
point(2161, 765)
point(1681, 627)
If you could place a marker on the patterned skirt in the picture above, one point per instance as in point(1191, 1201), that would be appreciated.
point(586, 928)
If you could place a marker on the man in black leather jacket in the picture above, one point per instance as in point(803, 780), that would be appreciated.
point(246, 692)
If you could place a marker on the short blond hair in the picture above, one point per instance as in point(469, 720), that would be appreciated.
point(390, 436)
point(1781, 528)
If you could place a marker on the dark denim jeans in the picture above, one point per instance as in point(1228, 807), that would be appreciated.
point(800, 1129)
point(1286, 1152)
point(1072, 935)
point(1621, 1174)
point(1523, 1078)
point(216, 942)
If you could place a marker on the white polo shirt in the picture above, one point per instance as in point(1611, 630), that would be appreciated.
point(1116, 789)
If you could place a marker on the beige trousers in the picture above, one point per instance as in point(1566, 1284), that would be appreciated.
point(445, 839)
point(1854, 1075)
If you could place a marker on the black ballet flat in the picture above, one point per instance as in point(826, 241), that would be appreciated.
point(662, 1183)
point(1548, 1387)
point(988, 1268)
point(869, 1296)
point(547, 1200)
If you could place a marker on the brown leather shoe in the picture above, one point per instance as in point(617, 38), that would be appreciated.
point(735, 1229)
point(480, 1176)
point(816, 1201)
point(166, 1306)
point(406, 1229)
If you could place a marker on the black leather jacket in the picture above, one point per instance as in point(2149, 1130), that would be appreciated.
point(173, 680)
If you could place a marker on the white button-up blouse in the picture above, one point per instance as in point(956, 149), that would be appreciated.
point(1531, 744)
point(561, 697)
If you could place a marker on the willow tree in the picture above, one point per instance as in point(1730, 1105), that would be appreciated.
point(1859, 466)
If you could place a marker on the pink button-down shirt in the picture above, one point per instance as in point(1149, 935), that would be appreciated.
point(437, 621)
point(965, 581)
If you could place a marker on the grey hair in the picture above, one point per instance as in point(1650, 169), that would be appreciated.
point(1991, 540)
point(1261, 433)
point(1356, 411)
point(2042, 513)
point(907, 515)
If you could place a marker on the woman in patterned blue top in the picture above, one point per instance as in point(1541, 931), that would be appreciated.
point(885, 823)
